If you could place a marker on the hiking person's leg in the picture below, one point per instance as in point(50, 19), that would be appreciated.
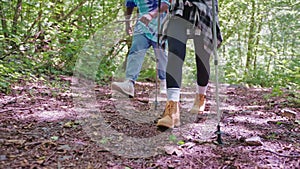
point(176, 54)
point(162, 60)
point(135, 59)
point(202, 56)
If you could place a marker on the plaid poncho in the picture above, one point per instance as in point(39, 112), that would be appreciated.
point(201, 17)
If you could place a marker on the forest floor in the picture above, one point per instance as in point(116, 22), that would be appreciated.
point(89, 126)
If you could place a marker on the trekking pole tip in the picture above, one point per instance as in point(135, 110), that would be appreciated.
point(219, 135)
point(155, 104)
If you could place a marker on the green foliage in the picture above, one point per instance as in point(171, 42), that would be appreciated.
point(44, 37)
point(260, 48)
point(173, 138)
point(13, 70)
point(272, 60)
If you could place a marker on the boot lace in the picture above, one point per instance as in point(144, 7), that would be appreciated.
point(201, 100)
point(170, 108)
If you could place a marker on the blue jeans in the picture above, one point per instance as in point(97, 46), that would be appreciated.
point(139, 47)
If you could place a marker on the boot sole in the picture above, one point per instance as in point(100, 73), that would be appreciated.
point(196, 111)
point(163, 124)
point(117, 88)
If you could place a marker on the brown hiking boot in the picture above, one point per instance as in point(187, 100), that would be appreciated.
point(199, 104)
point(171, 116)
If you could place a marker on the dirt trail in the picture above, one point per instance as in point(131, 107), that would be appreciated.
point(44, 127)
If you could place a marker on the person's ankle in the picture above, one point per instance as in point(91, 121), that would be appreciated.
point(132, 81)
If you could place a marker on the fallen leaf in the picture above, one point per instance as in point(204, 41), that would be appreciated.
point(63, 158)
point(69, 124)
point(40, 161)
point(3, 157)
point(173, 150)
point(181, 142)
point(188, 145)
point(254, 141)
point(64, 147)
point(288, 114)
point(19, 142)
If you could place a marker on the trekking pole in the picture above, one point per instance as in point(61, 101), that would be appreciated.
point(158, 47)
point(219, 138)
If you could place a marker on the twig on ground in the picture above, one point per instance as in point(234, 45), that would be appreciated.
point(15, 109)
point(278, 154)
point(6, 110)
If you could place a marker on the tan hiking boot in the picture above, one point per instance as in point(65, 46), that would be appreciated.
point(171, 116)
point(199, 104)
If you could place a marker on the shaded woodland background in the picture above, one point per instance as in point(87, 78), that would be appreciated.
point(261, 40)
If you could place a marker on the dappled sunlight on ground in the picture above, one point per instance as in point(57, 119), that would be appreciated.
point(42, 126)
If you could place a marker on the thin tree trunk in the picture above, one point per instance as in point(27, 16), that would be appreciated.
point(293, 47)
point(257, 41)
point(239, 49)
point(271, 47)
point(251, 39)
point(283, 41)
point(3, 22)
point(224, 50)
point(33, 24)
point(17, 14)
point(72, 11)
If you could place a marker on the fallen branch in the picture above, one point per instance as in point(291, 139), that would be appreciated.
point(32, 25)
point(278, 154)
point(141, 100)
point(48, 158)
point(15, 109)
point(201, 142)
point(3, 111)
point(33, 143)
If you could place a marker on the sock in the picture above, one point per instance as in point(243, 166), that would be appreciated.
point(162, 80)
point(173, 94)
point(132, 81)
point(201, 89)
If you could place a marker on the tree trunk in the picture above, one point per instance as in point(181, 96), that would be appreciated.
point(283, 41)
point(271, 47)
point(240, 63)
point(251, 39)
point(257, 40)
point(3, 22)
point(17, 14)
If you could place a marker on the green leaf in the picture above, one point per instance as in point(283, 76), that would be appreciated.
point(69, 124)
point(181, 142)
point(172, 138)
point(104, 140)
point(54, 138)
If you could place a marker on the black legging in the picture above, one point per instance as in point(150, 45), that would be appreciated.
point(177, 38)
